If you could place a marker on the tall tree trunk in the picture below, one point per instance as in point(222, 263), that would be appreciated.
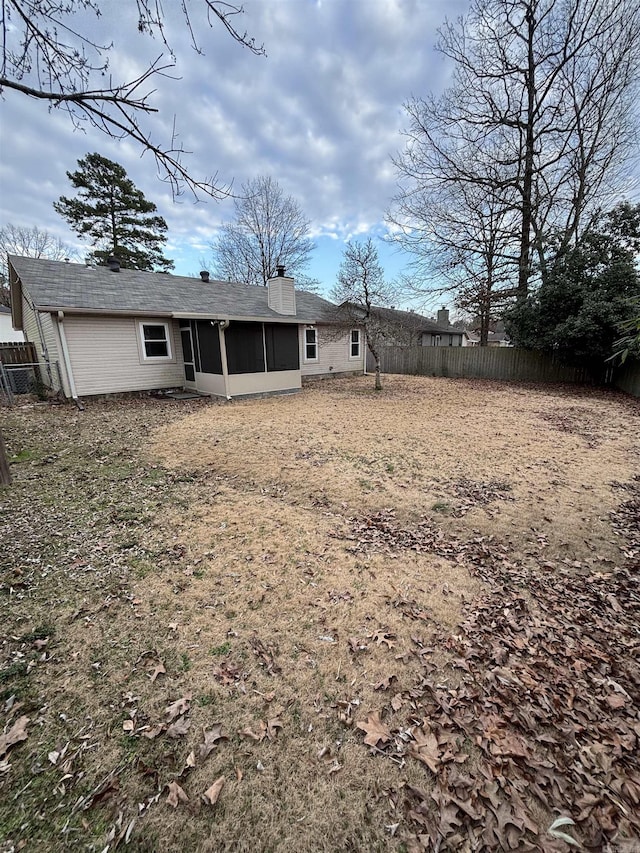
point(376, 358)
point(527, 182)
point(484, 328)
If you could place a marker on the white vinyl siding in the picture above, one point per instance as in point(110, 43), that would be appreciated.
point(39, 330)
point(107, 356)
point(334, 346)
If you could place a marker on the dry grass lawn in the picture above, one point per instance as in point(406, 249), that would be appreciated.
point(288, 568)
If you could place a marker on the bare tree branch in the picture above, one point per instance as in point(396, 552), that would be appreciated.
point(540, 120)
point(44, 56)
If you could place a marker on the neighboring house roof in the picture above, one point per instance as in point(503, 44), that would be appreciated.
point(4, 309)
point(492, 337)
point(415, 322)
point(75, 288)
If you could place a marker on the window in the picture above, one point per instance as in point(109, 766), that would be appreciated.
point(436, 341)
point(354, 347)
point(156, 341)
point(310, 344)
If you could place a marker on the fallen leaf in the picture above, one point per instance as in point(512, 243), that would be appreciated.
point(397, 702)
point(179, 728)
point(383, 637)
point(153, 732)
point(16, 733)
point(272, 727)
point(157, 670)
point(239, 774)
point(616, 700)
point(385, 684)
point(426, 749)
point(211, 738)
point(177, 708)
point(176, 794)
point(191, 759)
point(257, 736)
point(211, 795)
point(375, 730)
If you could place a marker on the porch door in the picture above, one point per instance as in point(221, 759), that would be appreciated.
point(187, 353)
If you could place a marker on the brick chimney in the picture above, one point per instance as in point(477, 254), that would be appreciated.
point(443, 317)
point(281, 292)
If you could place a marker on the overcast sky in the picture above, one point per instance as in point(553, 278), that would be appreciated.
point(321, 114)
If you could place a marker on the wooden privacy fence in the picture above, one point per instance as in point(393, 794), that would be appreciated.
point(17, 353)
point(503, 363)
point(627, 377)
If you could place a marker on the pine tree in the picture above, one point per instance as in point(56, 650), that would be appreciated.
point(111, 212)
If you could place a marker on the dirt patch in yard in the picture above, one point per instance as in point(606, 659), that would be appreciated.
point(339, 620)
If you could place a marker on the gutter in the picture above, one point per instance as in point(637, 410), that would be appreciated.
point(67, 360)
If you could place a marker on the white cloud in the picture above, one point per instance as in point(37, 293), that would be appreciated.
point(321, 114)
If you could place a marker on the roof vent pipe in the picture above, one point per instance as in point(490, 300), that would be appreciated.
point(204, 275)
point(280, 270)
point(113, 263)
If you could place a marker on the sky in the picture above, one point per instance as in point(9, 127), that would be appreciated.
point(322, 114)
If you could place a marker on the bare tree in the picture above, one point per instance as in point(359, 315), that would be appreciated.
point(269, 229)
point(540, 116)
point(29, 243)
point(360, 290)
point(468, 250)
point(46, 55)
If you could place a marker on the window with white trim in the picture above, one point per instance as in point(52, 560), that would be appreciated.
point(354, 344)
point(156, 341)
point(311, 344)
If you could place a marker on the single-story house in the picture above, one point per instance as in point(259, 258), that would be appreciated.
point(7, 333)
point(407, 328)
point(494, 339)
point(114, 330)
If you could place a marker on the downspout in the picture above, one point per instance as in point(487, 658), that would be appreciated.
point(67, 361)
point(222, 325)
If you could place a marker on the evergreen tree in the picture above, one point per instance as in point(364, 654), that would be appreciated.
point(589, 295)
point(111, 212)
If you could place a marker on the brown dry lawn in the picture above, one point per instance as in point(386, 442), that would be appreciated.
point(214, 553)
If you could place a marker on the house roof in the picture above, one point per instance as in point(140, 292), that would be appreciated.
point(75, 288)
point(4, 309)
point(414, 322)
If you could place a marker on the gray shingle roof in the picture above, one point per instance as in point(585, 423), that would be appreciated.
point(56, 285)
point(414, 322)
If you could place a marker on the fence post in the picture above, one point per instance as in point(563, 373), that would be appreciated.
point(5, 473)
point(5, 387)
